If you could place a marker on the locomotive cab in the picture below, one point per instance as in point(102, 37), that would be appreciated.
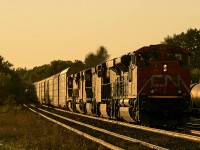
point(163, 85)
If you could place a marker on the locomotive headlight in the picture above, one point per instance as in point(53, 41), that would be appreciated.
point(152, 91)
point(179, 91)
point(165, 68)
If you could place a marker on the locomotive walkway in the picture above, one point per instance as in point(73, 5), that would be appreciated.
point(118, 135)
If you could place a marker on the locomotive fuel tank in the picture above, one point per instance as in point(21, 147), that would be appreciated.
point(195, 95)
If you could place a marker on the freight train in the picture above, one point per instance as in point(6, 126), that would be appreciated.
point(195, 99)
point(150, 86)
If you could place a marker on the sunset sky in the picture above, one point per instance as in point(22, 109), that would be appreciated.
point(36, 32)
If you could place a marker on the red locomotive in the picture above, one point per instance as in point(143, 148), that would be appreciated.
point(163, 75)
point(150, 85)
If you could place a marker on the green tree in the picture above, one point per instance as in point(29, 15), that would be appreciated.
point(39, 72)
point(57, 66)
point(102, 54)
point(10, 83)
point(190, 41)
point(5, 66)
point(92, 59)
point(5, 85)
point(77, 66)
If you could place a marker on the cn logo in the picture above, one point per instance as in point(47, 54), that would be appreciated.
point(163, 80)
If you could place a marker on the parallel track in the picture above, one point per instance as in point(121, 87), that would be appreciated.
point(194, 123)
point(132, 133)
point(106, 144)
point(153, 130)
point(115, 136)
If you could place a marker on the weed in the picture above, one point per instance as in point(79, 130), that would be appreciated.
point(22, 129)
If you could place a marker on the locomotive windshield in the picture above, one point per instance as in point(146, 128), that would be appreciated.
point(145, 57)
point(181, 58)
point(174, 57)
point(149, 56)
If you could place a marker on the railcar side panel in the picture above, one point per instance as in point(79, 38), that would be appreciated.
point(46, 92)
point(63, 88)
point(56, 90)
point(50, 94)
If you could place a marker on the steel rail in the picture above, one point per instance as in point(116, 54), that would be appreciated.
point(99, 141)
point(159, 131)
point(109, 132)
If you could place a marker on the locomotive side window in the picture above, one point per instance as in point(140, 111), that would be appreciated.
point(70, 82)
point(130, 74)
point(154, 56)
point(133, 59)
point(78, 80)
point(149, 56)
point(87, 77)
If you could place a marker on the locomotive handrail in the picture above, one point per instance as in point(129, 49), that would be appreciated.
point(144, 86)
point(188, 90)
point(139, 94)
point(89, 87)
point(124, 93)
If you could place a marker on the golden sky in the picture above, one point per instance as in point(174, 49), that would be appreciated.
point(36, 32)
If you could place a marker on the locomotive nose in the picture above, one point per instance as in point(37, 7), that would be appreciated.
point(159, 68)
point(165, 77)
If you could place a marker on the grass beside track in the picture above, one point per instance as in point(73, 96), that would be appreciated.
point(22, 129)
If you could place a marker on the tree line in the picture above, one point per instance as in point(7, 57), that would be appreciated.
point(14, 81)
point(56, 66)
point(10, 82)
point(189, 40)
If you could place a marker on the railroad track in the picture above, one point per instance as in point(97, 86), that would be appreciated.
point(122, 142)
point(153, 130)
point(194, 126)
point(195, 132)
point(119, 132)
point(194, 123)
